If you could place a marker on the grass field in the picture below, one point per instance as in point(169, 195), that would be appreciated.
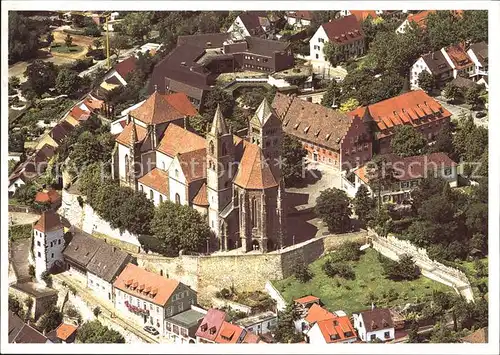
point(61, 48)
point(353, 295)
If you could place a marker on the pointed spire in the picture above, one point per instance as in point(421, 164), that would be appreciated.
point(264, 111)
point(367, 117)
point(219, 126)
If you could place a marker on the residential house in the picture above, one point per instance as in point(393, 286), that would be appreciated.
point(299, 19)
point(260, 323)
point(374, 324)
point(459, 61)
point(414, 108)
point(34, 166)
point(251, 23)
point(435, 64)
point(408, 173)
point(221, 175)
point(419, 19)
point(478, 53)
point(344, 32)
point(56, 135)
point(117, 76)
point(361, 15)
point(463, 83)
point(330, 137)
point(332, 330)
point(149, 299)
point(100, 263)
point(48, 243)
point(216, 330)
point(50, 197)
point(64, 333)
point(22, 333)
point(311, 315)
point(181, 328)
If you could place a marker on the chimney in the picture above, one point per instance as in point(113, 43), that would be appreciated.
point(209, 44)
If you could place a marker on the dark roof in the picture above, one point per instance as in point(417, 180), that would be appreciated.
point(216, 40)
point(477, 337)
point(61, 131)
point(49, 221)
point(45, 153)
point(265, 47)
point(436, 62)
point(113, 80)
point(180, 66)
point(126, 67)
point(251, 21)
point(82, 248)
point(187, 319)
point(343, 30)
point(463, 82)
point(19, 332)
point(377, 319)
point(189, 90)
point(303, 15)
point(481, 51)
point(107, 262)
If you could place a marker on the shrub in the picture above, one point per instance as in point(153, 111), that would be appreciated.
point(225, 293)
point(72, 312)
point(348, 251)
point(31, 270)
point(96, 311)
point(333, 269)
point(302, 273)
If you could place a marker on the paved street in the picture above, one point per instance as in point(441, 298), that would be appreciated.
point(107, 309)
point(456, 111)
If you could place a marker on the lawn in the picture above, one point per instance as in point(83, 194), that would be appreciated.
point(61, 48)
point(22, 231)
point(353, 295)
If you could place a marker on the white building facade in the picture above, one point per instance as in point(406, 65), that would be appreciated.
point(48, 242)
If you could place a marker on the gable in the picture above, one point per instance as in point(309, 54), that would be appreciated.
point(175, 171)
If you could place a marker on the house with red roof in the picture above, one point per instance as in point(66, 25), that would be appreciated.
point(50, 197)
point(361, 15)
point(332, 331)
point(374, 324)
point(117, 76)
point(220, 175)
point(345, 33)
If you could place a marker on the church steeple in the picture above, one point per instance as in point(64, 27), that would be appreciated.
point(219, 127)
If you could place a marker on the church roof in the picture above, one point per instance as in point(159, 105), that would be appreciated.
point(181, 103)
point(179, 140)
point(201, 197)
point(254, 171)
point(219, 126)
point(264, 112)
point(49, 221)
point(156, 179)
point(156, 109)
point(193, 164)
point(125, 136)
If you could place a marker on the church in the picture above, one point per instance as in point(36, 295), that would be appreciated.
point(235, 182)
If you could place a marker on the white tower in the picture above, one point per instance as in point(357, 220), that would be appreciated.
point(48, 242)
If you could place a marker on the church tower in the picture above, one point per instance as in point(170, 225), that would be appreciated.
point(220, 169)
point(266, 131)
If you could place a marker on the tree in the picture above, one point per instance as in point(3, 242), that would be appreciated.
point(47, 278)
point(94, 332)
point(136, 25)
point(348, 251)
point(215, 97)
point(443, 29)
point(452, 92)
point(285, 329)
point(331, 95)
point(426, 81)
point(302, 272)
point(363, 203)
point(119, 42)
point(97, 43)
point(90, 148)
point(407, 141)
point(342, 270)
point(67, 82)
point(97, 311)
point(16, 141)
point(474, 26)
point(26, 193)
point(472, 96)
point(51, 319)
point(380, 175)
point(68, 40)
point(413, 336)
point(444, 142)
point(49, 39)
point(349, 105)
point(476, 219)
point(23, 37)
point(333, 53)
point(179, 227)
point(403, 269)
point(441, 334)
point(332, 206)
point(293, 154)
point(41, 76)
point(14, 305)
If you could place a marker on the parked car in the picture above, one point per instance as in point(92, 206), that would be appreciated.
point(151, 330)
point(480, 114)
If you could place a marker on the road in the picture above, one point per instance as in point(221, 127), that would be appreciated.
point(456, 111)
point(102, 63)
point(107, 310)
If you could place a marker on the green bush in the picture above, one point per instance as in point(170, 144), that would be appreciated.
point(342, 270)
point(302, 273)
point(348, 251)
point(47, 278)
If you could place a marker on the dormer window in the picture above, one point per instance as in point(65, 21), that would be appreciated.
point(212, 330)
point(306, 129)
point(204, 327)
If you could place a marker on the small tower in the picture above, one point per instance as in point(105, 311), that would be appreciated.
point(48, 242)
point(266, 131)
point(220, 169)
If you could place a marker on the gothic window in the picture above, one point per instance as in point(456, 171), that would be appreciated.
point(212, 149)
point(177, 198)
point(161, 198)
point(224, 149)
point(151, 194)
point(254, 212)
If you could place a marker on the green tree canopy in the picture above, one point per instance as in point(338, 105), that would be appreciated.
point(67, 82)
point(136, 24)
point(94, 332)
point(51, 319)
point(407, 141)
point(179, 227)
point(332, 94)
point(41, 76)
point(293, 154)
point(285, 329)
point(426, 81)
point(333, 207)
point(363, 204)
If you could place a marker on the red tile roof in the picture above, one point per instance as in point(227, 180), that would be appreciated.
point(64, 331)
point(317, 313)
point(344, 30)
point(253, 170)
point(228, 334)
point(126, 67)
point(125, 136)
point(251, 338)
point(79, 114)
point(306, 15)
point(459, 56)
point(133, 279)
point(211, 324)
point(477, 337)
point(93, 104)
point(157, 109)
point(414, 108)
point(179, 140)
point(156, 179)
point(337, 329)
point(420, 18)
point(362, 15)
point(193, 164)
point(49, 196)
point(306, 299)
point(201, 197)
point(48, 222)
point(181, 103)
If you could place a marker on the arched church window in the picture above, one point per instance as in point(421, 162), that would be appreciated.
point(177, 198)
point(127, 168)
point(212, 149)
point(151, 196)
